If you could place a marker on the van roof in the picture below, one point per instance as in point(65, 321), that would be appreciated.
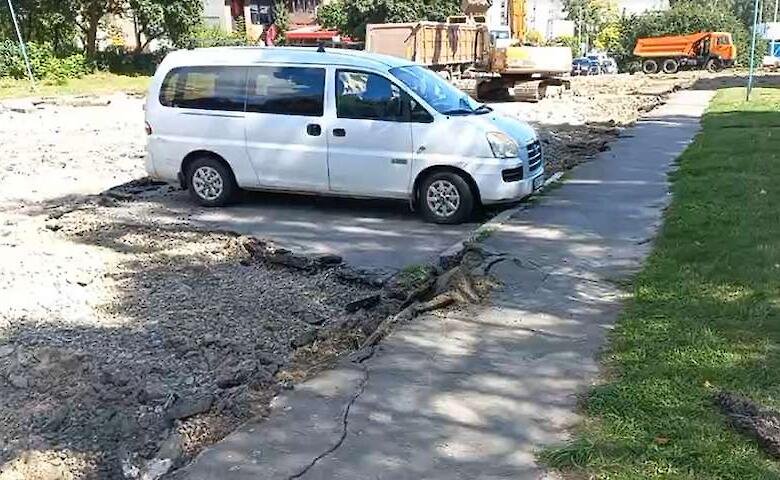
point(301, 55)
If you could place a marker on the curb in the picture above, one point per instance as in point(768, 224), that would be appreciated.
point(451, 254)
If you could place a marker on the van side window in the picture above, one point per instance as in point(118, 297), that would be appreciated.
point(367, 96)
point(286, 90)
point(205, 88)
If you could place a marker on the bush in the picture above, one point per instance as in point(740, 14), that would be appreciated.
point(350, 17)
point(208, 36)
point(567, 41)
point(44, 63)
point(116, 59)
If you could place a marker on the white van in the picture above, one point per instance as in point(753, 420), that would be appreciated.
point(333, 122)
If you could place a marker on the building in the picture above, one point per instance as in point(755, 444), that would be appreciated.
point(226, 14)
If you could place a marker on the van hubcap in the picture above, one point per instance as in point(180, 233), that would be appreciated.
point(443, 198)
point(207, 183)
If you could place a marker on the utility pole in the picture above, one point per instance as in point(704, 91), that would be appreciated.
point(772, 51)
point(752, 51)
point(21, 45)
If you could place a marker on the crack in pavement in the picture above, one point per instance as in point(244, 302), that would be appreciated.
point(344, 419)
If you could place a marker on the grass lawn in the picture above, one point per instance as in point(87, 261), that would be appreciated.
point(705, 315)
point(96, 83)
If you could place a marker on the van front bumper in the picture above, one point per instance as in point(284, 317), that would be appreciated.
point(494, 187)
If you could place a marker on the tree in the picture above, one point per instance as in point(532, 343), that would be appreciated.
point(89, 13)
point(40, 21)
point(350, 17)
point(591, 17)
point(174, 20)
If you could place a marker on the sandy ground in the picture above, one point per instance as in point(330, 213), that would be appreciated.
point(127, 343)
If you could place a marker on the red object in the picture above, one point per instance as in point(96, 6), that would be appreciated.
point(313, 35)
point(236, 8)
point(270, 35)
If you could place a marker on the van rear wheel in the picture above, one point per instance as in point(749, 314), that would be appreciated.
point(650, 66)
point(445, 197)
point(210, 182)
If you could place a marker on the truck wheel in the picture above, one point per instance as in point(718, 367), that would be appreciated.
point(713, 65)
point(650, 66)
point(670, 65)
point(210, 182)
point(445, 197)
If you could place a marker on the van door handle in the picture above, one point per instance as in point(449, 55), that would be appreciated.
point(314, 130)
point(339, 132)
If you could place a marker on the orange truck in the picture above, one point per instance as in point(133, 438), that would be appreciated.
point(712, 51)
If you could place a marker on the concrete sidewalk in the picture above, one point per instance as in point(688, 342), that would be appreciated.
point(472, 394)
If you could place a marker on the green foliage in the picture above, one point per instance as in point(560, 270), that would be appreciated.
point(350, 17)
point(567, 41)
point(208, 36)
point(173, 20)
point(118, 60)
point(282, 21)
point(591, 17)
point(609, 37)
point(534, 37)
point(51, 21)
point(45, 64)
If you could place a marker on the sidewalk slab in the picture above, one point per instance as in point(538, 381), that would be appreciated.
point(474, 393)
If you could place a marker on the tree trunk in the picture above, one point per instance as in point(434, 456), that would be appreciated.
point(91, 40)
point(137, 30)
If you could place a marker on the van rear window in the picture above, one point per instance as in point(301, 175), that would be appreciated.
point(205, 88)
point(286, 90)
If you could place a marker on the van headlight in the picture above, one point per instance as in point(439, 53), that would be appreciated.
point(502, 145)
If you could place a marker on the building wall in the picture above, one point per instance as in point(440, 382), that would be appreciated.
point(542, 12)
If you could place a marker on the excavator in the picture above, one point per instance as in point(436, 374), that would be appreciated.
point(462, 50)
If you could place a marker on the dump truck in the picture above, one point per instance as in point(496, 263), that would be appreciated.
point(461, 50)
point(712, 51)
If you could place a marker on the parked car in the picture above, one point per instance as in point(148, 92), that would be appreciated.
point(332, 122)
point(585, 66)
point(606, 64)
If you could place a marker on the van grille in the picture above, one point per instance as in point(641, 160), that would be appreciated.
point(534, 155)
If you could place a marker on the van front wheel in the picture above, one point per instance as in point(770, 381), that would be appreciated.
point(445, 197)
point(211, 183)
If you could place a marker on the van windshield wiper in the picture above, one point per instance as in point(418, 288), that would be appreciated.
point(458, 111)
point(483, 108)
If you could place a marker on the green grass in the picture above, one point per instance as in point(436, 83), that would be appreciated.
point(705, 315)
point(96, 83)
point(412, 276)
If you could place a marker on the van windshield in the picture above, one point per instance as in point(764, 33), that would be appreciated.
point(437, 92)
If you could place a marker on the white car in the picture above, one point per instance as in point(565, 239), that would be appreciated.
point(333, 122)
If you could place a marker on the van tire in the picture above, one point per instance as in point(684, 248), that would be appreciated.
point(670, 66)
point(650, 66)
point(210, 182)
point(439, 191)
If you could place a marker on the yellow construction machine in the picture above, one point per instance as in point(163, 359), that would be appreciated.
point(462, 50)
